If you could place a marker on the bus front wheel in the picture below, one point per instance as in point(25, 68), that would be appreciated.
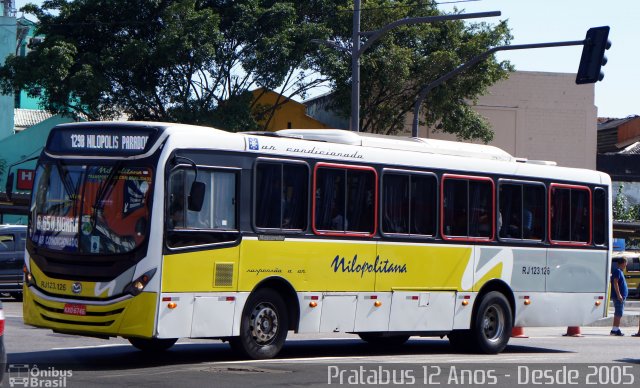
point(152, 344)
point(263, 326)
point(492, 324)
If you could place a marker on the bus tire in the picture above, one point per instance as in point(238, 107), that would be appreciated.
point(152, 344)
point(263, 326)
point(492, 324)
point(383, 341)
point(460, 340)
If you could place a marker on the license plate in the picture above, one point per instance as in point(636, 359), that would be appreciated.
point(75, 309)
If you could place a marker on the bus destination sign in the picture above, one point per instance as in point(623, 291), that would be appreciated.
point(96, 141)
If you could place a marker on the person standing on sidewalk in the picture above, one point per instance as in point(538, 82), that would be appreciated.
point(619, 293)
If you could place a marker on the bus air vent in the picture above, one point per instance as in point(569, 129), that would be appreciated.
point(223, 275)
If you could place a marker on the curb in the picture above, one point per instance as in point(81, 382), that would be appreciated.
point(629, 319)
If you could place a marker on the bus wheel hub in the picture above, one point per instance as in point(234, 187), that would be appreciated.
point(264, 324)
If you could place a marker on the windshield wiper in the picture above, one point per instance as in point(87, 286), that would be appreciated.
point(69, 188)
point(103, 190)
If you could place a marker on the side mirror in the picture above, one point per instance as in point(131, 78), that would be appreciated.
point(196, 196)
point(9, 186)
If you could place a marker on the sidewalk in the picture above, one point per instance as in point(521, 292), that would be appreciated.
point(629, 319)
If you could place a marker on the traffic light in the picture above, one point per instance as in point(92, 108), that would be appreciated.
point(593, 55)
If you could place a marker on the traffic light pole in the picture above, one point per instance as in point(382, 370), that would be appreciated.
point(430, 86)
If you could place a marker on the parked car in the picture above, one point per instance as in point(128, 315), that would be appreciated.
point(632, 272)
point(12, 244)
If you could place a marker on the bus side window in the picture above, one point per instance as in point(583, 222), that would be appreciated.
point(395, 200)
point(330, 199)
point(360, 201)
point(424, 204)
point(570, 214)
point(281, 195)
point(345, 200)
point(216, 218)
point(409, 202)
point(534, 210)
point(599, 216)
point(481, 217)
point(468, 207)
point(521, 210)
point(455, 203)
point(580, 216)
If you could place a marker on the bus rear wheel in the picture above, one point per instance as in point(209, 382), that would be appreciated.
point(263, 326)
point(152, 344)
point(492, 324)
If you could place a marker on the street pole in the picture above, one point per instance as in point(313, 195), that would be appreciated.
point(355, 69)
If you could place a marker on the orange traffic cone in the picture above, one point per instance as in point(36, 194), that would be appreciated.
point(518, 332)
point(573, 331)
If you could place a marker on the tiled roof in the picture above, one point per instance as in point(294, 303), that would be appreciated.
point(633, 149)
point(614, 123)
point(25, 118)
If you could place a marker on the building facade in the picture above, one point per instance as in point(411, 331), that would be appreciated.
point(534, 115)
point(288, 113)
point(540, 116)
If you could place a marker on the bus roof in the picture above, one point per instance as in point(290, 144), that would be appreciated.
point(433, 146)
point(347, 146)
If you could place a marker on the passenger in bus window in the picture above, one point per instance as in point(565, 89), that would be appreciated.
point(483, 226)
point(513, 230)
point(337, 220)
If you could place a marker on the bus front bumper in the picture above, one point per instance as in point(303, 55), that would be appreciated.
point(127, 317)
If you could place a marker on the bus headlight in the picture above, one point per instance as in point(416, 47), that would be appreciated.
point(29, 280)
point(138, 285)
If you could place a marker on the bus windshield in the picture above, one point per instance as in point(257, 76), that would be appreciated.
point(90, 209)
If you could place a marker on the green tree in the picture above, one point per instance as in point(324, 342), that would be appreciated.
point(395, 68)
point(190, 61)
point(622, 210)
point(195, 61)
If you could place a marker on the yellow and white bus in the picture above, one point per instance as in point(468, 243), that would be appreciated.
point(156, 231)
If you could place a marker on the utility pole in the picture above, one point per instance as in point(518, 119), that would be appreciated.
point(355, 68)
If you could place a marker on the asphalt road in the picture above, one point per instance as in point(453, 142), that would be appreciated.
point(319, 360)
